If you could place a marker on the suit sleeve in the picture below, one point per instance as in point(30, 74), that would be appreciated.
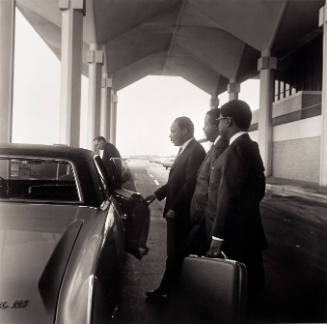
point(161, 193)
point(184, 195)
point(232, 181)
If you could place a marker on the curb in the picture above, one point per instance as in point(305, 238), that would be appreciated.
point(287, 191)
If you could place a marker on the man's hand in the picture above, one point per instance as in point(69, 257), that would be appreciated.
point(170, 214)
point(149, 199)
point(215, 249)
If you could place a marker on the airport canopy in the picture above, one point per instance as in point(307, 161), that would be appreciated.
point(207, 42)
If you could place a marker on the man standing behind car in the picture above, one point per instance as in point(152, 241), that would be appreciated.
point(236, 187)
point(111, 160)
point(178, 192)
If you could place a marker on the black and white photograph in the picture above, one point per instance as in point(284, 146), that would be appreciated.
point(163, 161)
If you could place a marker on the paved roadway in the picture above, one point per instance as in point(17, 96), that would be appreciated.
point(295, 263)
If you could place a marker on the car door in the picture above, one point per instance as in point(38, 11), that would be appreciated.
point(134, 212)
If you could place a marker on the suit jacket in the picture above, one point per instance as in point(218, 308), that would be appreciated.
point(112, 162)
point(179, 188)
point(237, 185)
point(200, 196)
point(110, 151)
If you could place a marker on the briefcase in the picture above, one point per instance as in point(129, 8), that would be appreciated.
point(218, 287)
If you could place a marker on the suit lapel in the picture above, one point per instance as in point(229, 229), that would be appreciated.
point(180, 156)
point(220, 147)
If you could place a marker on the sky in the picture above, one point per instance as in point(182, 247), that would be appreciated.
point(145, 110)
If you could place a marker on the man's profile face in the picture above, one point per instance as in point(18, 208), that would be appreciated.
point(177, 134)
point(210, 128)
point(224, 123)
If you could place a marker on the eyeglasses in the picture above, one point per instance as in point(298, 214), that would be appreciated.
point(221, 118)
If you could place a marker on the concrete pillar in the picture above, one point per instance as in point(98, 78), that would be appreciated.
point(7, 41)
point(95, 61)
point(266, 65)
point(214, 102)
point(323, 150)
point(233, 90)
point(106, 101)
point(113, 125)
point(71, 68)
point(106, 86)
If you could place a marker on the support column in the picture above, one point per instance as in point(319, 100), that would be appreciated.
point(214, 102)
point(106, 86)
point(113, 125)
point(323, 141)
point(7, 41)
point(106, 101)
point(233, 90)
point(95, 61)
point(71, 68)
point(265, 65)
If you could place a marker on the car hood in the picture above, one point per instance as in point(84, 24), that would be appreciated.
point(35, 245)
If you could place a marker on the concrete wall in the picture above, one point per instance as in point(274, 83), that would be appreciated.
point(296, 142)
point(297, 159)
point(296, 150)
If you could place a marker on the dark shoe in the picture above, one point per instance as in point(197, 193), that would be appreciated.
point(157, 296)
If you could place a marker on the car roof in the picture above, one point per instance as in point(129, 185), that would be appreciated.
point(81, 158)
point(41, 150)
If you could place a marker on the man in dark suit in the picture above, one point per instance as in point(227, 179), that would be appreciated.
point(236, 187)
point(111, 160)
point(196, 242)
point(178, 192)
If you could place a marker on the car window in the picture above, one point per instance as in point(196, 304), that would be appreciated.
point(38, 179)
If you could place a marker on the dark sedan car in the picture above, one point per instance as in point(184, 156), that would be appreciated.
point(63, 233)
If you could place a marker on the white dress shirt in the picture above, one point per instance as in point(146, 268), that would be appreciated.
point(235, 136)
point(183, 147)
point(216, 140)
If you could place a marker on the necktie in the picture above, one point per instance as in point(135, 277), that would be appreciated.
point(178, 154)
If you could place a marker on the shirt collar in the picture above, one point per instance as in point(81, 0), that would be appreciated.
point(216, 140)
point(183, 147)
point(235, 136)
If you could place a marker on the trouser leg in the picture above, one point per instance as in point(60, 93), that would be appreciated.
point(175, 258)
point(171, 251)
point(256, 279)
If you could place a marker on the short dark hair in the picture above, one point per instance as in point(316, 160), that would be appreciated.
point(214, 114)
point(240, 112)
point(185, 122)
point(99, 139)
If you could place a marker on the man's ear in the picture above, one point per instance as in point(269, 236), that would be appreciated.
point(185, 131)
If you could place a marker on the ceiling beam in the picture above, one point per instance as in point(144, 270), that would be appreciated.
point(159, 15)
point(278, 21)
point(174, 34)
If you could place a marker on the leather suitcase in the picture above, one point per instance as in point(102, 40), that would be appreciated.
point(217, 286)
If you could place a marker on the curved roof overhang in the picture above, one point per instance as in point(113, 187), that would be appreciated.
point(207, 42)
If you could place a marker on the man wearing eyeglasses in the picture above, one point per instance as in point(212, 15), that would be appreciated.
point(236, 187)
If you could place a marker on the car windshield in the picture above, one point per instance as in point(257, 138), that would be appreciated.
point(37, 179)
